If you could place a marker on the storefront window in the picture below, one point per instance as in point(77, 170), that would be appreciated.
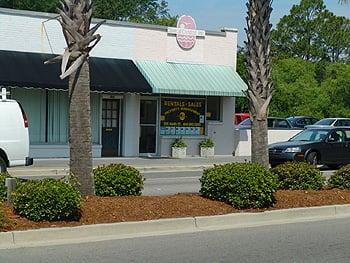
point(214, 109)
point(58, 117)
point(48, 115)
point(33, 102)
point(182, 116)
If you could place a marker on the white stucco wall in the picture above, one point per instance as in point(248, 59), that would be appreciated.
point(219, 51)
point(131, 125)
point(58, 151)
point(213, 49)
point(243, 139)
point(223, 132)
point(38, 32)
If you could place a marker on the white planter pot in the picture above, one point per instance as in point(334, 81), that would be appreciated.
point(178, 152)
point(207, 152)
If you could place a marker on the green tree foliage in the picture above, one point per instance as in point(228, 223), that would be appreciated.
point(140, 11)
point(242, 102)
point(336, 90)
point(320, 89)
point(310, 71)
point(311, 32)
point(33, 5)
point(305, 88)
point(295, 88)
point(335, 37)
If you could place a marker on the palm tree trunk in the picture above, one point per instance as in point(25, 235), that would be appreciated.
point(80, 129)
point(260, 142)
point(75, 19)
point(260, 88)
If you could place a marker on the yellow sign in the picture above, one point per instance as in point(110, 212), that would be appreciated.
point(182, 116)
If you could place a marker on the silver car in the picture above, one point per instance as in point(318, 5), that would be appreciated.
point(272, 123)
point(331, 122)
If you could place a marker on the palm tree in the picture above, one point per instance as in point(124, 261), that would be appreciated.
point(260, 88)
point(75, 18)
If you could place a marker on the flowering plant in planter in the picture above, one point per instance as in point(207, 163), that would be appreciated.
point(208, 143)
point(179, 148)
point(207, 148)
point(179, 143)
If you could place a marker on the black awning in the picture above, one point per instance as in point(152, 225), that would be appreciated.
point(23, 69)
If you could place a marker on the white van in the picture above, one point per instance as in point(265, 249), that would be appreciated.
point(14, 135)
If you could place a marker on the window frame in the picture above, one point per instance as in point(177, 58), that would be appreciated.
point(220, 115)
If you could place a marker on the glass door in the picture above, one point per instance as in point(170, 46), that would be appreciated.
point(148, 129)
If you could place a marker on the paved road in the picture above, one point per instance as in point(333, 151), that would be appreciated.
point(161, 183)
point(323, 241)
point(169, 183)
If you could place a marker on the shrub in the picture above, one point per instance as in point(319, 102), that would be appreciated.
point(208, 143)
point(341, 178)
point(298, 176)
point(3, 190)
point(179, 143)
point(2, 217)
point(47, 199)
point(243, 185)
point(117, 180)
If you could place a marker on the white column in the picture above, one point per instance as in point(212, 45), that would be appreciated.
point(223, 132)
point(131, 125)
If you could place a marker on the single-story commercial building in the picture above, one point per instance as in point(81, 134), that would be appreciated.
point(149, 85)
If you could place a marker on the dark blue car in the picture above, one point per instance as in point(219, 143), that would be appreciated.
point(329, 146)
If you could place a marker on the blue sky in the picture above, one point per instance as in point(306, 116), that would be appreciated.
point(215, 14)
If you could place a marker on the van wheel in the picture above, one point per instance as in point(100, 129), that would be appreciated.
point(273, 165)
point(334, 166)
point(312, 158)
point(3, 166)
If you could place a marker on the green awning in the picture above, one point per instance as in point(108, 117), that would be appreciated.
point(192, 79)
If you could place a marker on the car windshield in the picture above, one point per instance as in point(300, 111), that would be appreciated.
point(310, 136)
point(325, 122)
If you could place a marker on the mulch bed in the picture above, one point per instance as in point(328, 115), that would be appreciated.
point(98, 210)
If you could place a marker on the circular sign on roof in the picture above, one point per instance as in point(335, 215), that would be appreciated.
point(186, 36)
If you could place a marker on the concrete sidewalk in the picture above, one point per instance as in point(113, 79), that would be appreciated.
point(59, 167)
point(102, 232)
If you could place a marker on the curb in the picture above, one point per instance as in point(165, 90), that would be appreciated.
point(101, 232)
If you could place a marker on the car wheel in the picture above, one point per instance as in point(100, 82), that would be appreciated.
point(3, 166)
point(312, 158)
